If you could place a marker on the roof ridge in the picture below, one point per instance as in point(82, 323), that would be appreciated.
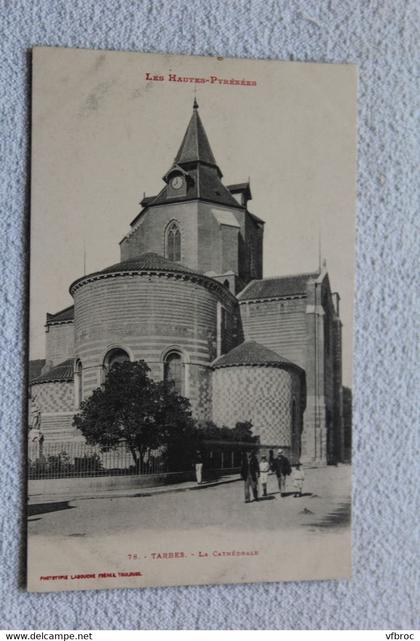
point(145, 255)
point(252, 353)
point(195, 145)
point(157, 264)
point(54, 374)
point(65, 309)
point(294, 275)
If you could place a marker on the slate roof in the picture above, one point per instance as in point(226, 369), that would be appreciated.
point(146, 200)
point(239, 188)
point(276, 287)
point(252, 353)
point(62, 372)
point(147, 262)
point(62, 316)
point(256, 218)
point(204, 184)
point(195, 146)
point(196, 161)
point(35, 367)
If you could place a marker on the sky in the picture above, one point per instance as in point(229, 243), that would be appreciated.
point(103, 135)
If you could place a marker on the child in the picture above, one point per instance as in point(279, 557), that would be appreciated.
point(298, 478)
point(264, 469)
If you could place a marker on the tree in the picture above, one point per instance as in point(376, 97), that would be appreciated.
point(215, 443)
point(131, 407)
point(226, 436)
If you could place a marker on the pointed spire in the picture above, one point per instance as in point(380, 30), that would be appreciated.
point(195, 146)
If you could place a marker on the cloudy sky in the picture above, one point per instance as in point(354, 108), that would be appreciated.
point(103, 135)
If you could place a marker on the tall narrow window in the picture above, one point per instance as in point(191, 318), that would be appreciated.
point(173, 242)
point(174, 371)
point(78, 383)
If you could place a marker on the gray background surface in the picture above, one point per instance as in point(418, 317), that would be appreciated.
point(381, 38)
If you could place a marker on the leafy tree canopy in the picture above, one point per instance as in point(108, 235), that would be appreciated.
point(131, 407)
point(226, 436)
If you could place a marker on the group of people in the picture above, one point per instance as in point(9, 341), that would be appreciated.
point(254, 472)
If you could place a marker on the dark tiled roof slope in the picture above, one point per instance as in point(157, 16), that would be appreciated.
point(252, 353)
point(238, 187)
point(256, 218)
point(195, 158)
point(147, 200)
point(62, 372)
point(273, 287)
point(35, 368)
point(195, 146)
point(64, 315)
point(149, 261)
point(205, 185)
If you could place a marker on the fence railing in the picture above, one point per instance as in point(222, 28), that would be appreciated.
point(72, 459)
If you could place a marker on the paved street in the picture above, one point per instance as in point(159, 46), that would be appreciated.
point(310, 535)
point(326, 502)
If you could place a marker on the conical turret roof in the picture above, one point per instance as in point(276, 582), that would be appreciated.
point(195, 146)
point(253, 354)
point(195, 160)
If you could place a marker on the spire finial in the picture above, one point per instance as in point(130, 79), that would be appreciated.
point(195, 105)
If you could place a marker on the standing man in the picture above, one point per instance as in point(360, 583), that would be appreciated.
point(250, 473)
point(282, 468)
point(198, 467)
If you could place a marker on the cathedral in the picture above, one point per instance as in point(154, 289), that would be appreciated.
point(189, 297)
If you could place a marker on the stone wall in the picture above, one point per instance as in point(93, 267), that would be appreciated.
point(147, 315)
point(54, 397)
point(56, 402)
point(305, 330)
point(214, 238)
point(148, 234)
point(262, 395)
point(59, 343)
point(279, 325)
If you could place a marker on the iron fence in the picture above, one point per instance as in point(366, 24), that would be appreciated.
point(73, 459)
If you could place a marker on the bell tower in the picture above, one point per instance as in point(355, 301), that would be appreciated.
point(216, 233)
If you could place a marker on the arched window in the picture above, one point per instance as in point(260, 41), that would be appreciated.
point(173, 242)
point(114, 356)
point(174, 371)
point(78, 383)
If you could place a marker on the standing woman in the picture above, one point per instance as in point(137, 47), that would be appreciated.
point(264, 470)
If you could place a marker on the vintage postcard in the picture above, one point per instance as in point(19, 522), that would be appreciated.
point(191, 303)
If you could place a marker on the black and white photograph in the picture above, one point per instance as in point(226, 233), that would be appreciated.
point(191, 320)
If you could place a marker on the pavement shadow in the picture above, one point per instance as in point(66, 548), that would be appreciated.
point(293, 493)
point(44, 508)
point(301, 496)
point(340, 517)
